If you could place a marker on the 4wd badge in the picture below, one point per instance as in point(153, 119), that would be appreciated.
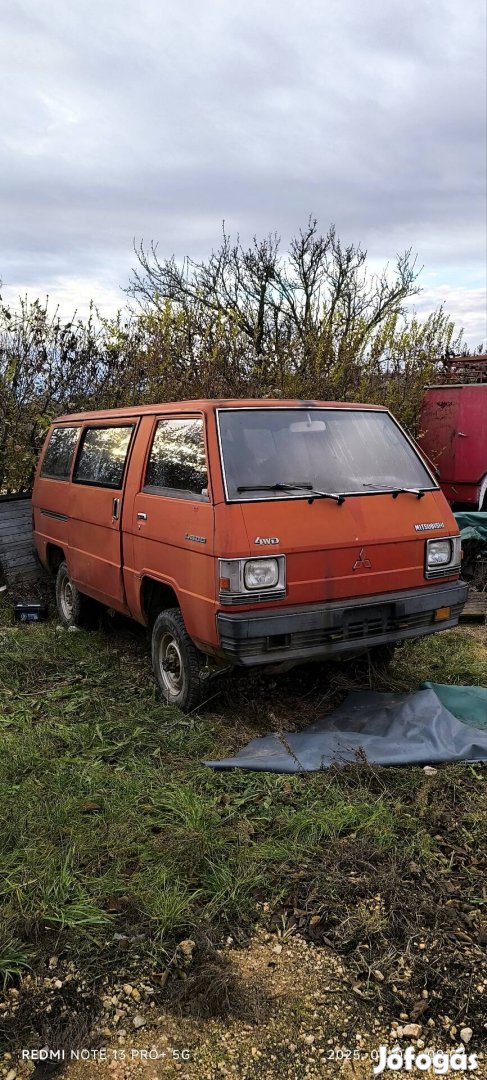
point(266, 540)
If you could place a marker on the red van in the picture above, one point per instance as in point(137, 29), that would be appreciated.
point(247, 532)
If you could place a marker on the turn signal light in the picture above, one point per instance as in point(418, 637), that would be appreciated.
point(442, 613)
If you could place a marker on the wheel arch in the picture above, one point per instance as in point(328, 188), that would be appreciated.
point(55, 555)
point(156, 596)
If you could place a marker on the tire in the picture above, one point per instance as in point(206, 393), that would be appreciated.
point(176, 661)
point(482, 507)
point(74, 609)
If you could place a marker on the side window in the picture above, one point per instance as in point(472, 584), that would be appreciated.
point(59, 453)
point(177, 460)
point(101, 460)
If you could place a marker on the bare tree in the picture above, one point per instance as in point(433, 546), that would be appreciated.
point(319, 291)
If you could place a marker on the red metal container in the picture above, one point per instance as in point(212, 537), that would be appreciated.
point(453, 434)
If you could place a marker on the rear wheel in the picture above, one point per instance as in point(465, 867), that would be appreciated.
point(74, 608)
point(176, 661)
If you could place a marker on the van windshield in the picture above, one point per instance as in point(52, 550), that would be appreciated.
point(283, 452)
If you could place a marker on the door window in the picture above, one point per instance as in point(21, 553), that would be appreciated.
point(58, 456)
point(177, 462)
point(102, 457)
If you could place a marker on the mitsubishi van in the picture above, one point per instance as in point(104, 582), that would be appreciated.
point(250, 532)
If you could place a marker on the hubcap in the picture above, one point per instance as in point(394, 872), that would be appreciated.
point(67, 598)
point(171, 664)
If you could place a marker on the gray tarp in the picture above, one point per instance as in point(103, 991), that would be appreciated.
point(389, 729)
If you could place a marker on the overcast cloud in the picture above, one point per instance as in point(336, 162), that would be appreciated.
point(158, 120)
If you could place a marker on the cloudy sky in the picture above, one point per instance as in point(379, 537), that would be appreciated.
point(157, 120)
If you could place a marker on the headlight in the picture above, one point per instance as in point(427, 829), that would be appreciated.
point(443, 556)
point(261, 573)
point(439, 552)
point(247, 581)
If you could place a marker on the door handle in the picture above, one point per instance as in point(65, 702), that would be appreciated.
point(141, 516)
point(115, 509)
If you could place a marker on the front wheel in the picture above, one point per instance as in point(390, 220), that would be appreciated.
point(176, 661)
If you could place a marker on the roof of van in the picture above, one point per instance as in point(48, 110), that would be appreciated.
point(210, 404)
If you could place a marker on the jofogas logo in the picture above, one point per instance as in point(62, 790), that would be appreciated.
point(442, 1063)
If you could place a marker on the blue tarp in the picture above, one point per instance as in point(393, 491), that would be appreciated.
point(435, 724)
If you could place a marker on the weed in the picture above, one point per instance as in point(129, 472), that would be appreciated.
point(14, 958)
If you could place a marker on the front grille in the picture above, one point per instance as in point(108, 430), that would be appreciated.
point(442, 571)
point(254, 598)
point(361, 627)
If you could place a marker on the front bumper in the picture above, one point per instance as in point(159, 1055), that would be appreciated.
point(311, 631)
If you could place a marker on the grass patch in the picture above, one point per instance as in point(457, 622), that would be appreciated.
point(111, 827)
point(448, 657)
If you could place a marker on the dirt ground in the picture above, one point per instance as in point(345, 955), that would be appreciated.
point(300, 1017)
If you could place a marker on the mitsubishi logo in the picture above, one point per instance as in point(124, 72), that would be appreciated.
point(362, 561)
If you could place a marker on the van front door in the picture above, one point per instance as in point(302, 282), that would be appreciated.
point(95, 562)
point(172, 520)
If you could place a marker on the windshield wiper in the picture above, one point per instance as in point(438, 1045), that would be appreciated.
point(418, 492)
point(339, 499)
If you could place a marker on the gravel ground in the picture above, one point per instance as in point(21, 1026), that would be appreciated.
point(300, 1017)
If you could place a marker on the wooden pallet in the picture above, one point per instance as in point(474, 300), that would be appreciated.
point(475, 609)
point(17, 558)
